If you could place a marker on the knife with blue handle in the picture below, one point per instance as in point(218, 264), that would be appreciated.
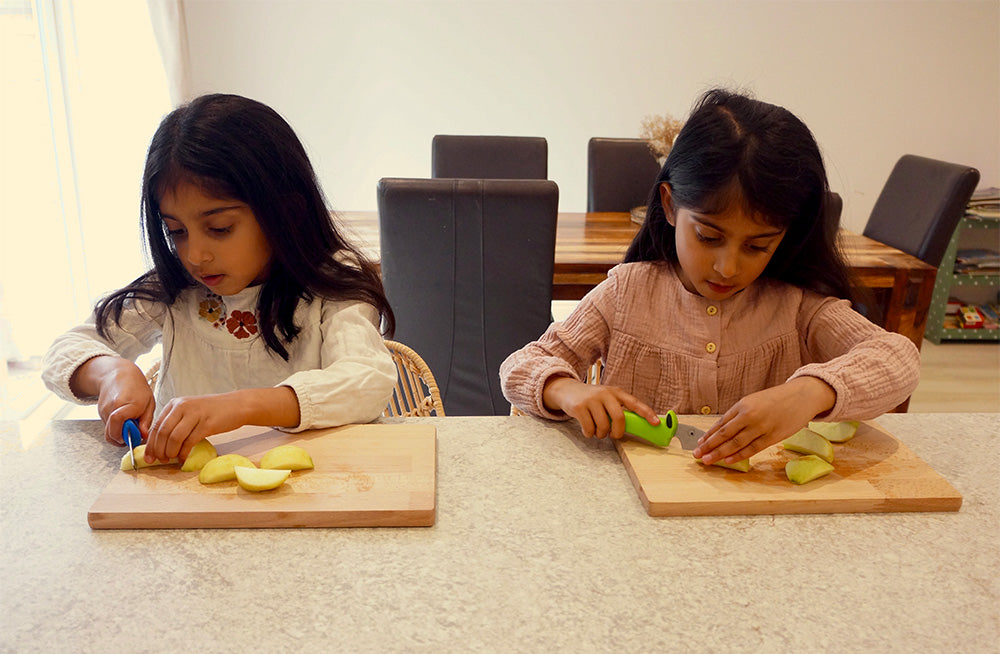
point(132, 438)
point(664, 432)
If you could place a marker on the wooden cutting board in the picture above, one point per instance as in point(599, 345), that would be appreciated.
point(365, 476)
point(873, 473)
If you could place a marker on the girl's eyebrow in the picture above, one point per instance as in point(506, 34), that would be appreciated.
point(207, 213)
point(708, 223)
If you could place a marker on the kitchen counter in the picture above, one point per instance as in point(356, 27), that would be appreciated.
point(541, 544)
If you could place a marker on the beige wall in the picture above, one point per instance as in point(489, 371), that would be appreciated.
point(367, 83)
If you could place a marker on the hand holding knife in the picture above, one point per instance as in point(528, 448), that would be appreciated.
point(132, 438)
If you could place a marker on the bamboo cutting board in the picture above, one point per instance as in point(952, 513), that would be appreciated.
point(365, 476)
point(873, 472)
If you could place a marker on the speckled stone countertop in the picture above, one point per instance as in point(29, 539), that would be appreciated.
point(541, 545)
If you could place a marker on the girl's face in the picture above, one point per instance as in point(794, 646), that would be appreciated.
point(218, 241)
point(720, 254)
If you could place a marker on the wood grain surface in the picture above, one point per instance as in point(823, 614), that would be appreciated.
point(873, 473)
point(364, 476)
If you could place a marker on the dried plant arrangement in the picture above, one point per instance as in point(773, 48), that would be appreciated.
point(660, 132)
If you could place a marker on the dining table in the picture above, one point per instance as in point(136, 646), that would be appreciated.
point(588, 245)
point(540, 544)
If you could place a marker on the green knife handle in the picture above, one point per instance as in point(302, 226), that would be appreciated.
point(660, 434)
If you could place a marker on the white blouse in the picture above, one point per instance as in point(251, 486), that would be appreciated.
point(338, 366)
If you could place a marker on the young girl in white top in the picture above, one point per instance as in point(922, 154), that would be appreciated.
point(733, 300)
point(267, 316)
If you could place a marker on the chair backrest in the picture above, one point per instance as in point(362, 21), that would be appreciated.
point(489, 157)
point(920, 206)
point(467, 267)
point(620, 173)
point(416, 392)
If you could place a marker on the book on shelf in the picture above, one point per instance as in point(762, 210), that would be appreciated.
point(977, 261)
point(985, 203)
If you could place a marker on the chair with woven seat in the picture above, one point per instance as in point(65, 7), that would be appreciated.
point(416, 392)
point(467, 268)
point(620, 173)
point(489, 157)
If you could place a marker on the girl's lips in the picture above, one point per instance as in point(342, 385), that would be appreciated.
point(720, 288)
point(211, 280)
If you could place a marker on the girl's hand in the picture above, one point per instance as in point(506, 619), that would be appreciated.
point(123, 393)
point(597, 408)
point(764, 418)
point(186, 420)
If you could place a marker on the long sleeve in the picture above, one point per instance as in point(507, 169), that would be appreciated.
point(137, 333)
point(357, 374)
point(871, 370)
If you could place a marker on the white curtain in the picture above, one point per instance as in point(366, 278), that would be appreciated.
point(83, 87)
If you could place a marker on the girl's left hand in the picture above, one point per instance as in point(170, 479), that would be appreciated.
point(764, 418)
point(187, 420)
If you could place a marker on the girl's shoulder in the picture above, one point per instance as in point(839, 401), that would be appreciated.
point(643, 273)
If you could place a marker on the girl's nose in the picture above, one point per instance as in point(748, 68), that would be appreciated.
point(727, 264)
point(198, 251)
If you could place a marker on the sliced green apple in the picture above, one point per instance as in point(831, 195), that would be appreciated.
point(286, 457)
point(221, 468)
point(742, 466)
point(200, 454)
point(140, 462)
point(835, 432)
point(807, 468)
point(260, 479)
point(806, 441)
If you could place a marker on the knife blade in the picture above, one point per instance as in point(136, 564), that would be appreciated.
point(661, 434)
point(132, 438)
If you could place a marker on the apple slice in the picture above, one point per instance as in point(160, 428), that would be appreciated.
point(260, 479)
point(835, 432)
point(286, 457)
point(200, 454)
point(742, 466)
point(221, 468)
point(806, 441)
point(140, 462)
point(807, 468)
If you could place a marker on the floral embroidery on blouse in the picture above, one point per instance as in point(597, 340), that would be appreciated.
point(213, 309)
point(241, 324)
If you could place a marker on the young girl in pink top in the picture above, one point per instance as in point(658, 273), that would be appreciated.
point(732, 300)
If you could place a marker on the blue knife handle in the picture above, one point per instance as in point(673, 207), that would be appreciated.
point(130, 434)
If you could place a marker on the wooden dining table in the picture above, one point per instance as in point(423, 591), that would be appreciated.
point(588, 245)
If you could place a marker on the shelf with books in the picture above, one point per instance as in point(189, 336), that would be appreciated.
point(969, 271)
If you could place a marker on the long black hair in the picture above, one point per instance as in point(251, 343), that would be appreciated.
point(236, 148)
point(735, 146)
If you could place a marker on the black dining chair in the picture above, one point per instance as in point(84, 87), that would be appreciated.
point(467, 268)
point(920, 206)
point(620, 173)
point(489, 157)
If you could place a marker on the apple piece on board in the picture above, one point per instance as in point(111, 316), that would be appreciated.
point(200, 454)
point(140, 462)
point(742, 466)
point(221, 468)
point(807, 468)
point(806, 441)
point(835, 432)
point(260, 479)
point(286, 457)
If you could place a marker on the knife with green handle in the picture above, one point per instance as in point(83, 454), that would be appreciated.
point(664, 432)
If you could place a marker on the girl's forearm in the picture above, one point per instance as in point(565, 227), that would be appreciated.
point(268, 407)
point(86, 380)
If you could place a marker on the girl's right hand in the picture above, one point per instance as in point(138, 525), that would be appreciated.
point(124, 394)
point(598, 408)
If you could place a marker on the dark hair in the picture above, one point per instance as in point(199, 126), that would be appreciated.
point(733, 146)
point(237, 148)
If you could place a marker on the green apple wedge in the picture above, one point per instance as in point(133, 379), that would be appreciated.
point(140, 462)
point(260, 479)
point(806, 441)
point(221, 468)
point(286, 457)
point(807, 468)
point(835, 432)
point(200, 454)
point(741, 466)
